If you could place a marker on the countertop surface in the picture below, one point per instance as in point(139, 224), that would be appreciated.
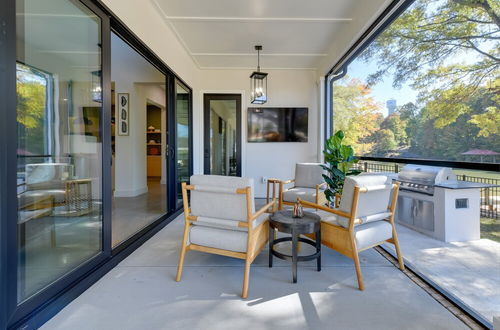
point(456, 184)
point(464, 185)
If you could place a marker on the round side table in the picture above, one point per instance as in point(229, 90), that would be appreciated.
point(283, 221)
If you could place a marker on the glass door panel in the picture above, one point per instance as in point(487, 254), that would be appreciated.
point(222, 142)
point(139, 136)
point(183, 120)
point(59, 143)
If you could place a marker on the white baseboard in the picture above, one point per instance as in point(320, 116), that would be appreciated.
point(131, 192)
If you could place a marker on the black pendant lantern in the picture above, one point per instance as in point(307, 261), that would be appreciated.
point(258, 83)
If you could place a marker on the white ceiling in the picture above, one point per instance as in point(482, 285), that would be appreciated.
point(295, 34)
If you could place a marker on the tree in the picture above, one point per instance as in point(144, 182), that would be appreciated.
point(356, 113)
point(398, 127)
point(448, 49)
point(385, 141)
point(450, 141)
point(31, 105)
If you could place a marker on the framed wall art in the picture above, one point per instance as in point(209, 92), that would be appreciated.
point(123, 114)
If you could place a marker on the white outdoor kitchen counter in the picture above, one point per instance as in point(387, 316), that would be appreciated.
point(464, 185)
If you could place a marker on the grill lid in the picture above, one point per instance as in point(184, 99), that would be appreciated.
point(426, 175)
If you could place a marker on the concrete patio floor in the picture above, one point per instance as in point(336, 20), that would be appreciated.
point(468, 270)
point(140, 293)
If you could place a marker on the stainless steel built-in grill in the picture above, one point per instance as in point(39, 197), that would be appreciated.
point(433, 202)
point(416, 201)
point(423, 179)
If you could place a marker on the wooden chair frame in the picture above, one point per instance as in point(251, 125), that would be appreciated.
point(256, 241)
point(320, 195)
point(343, 240)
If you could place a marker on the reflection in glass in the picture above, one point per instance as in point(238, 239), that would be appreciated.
point(223, 137)
point(59, 141)
point(139, 165)
point(182, 154)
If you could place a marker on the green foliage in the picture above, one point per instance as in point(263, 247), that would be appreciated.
point(339, 160)
point(447, 49)
point(449, 52)
point(356, 112)
point(31, 105)
point(394, 124)
point(489, 122)
point(386, 141)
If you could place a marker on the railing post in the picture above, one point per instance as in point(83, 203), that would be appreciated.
point(366, 166)
point(396, 168)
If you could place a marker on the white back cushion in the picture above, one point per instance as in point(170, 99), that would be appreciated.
point(223, 202)
point(308, 175)
point(375, 201)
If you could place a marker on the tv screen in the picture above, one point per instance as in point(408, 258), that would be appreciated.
point(277, 124)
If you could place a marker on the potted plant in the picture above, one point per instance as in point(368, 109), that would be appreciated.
point(339, 159)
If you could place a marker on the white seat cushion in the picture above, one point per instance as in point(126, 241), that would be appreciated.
point(328, 217)
point(372, 205)
point(306, 194)
point(216, 197)
point(308, 175)
point(372, 233)
point(367, 234)
point(228, 224)
point(231, 240)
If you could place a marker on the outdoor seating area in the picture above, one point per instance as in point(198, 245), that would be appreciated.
point(141, 292)
point(225, 235)
point(249, 164)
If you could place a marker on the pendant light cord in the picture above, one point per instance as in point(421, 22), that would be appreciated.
point(258, 60)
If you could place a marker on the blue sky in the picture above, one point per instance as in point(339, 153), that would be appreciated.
point(383, 90)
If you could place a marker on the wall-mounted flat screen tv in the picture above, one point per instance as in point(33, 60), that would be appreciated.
point(277, 124)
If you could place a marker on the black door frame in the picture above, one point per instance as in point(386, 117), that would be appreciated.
point(18, 313)
point(176, 187)
point(39, 308)
point(207, 97)
point(8, 164)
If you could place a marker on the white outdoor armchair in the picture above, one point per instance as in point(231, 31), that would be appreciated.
point(308, 185)
point(365, 218)
point(221, 219)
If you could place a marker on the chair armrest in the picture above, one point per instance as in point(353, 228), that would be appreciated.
point(324, 208)
point(79, 181)
point(263, 210)
point(318, 186)
point(286, 181)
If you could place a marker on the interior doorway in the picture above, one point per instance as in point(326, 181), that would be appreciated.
point(139, 142)
point(222, 134)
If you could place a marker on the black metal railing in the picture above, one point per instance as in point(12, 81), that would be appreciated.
point(490, 197)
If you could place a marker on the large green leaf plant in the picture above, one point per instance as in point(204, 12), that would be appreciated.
point(339, 159)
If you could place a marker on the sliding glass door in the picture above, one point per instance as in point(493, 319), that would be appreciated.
point(183, 139)
point(60, 154)
point(56, 124)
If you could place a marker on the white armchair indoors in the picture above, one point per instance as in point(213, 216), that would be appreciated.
point(365, 218)
point(221, 219)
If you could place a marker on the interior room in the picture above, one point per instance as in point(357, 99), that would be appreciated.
point(139, 147)
point(233, 164)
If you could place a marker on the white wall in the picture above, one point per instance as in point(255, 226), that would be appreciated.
point(286, 88)
point(144, 19)
point(133, 75)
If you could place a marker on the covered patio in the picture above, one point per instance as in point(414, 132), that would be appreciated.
point(155, 151)
point(140, 293)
